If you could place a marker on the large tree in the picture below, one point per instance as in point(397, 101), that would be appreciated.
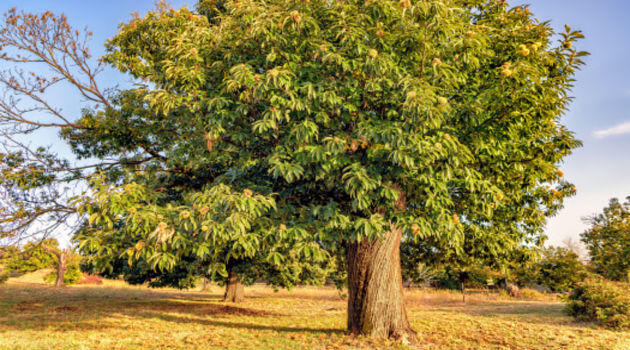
point(343, 125)
point(608, 240)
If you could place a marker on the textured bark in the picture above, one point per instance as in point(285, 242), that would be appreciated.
point(61, 264)
point(375, 295)
point(234, 291)
point(61, 269)
point(463, 277)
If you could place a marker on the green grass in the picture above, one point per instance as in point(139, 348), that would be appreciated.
point(118, 316)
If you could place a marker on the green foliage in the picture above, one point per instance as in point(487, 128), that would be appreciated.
point(4, 275)
point(604, 302)
point(555, 268)
point(282, 129)
point(33, 257)
point(560, 269)
point(608, 241)
point(525, 273)
point(73, 272)
point(72, 275)
point(8, 253)
point(450, 277)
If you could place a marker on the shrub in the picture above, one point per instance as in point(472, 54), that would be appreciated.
point(604, 302)
point(4, 276)
point(532, 294)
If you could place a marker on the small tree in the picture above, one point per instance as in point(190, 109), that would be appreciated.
point(67, 268)
point(33, 256)
point(45, 254)
point(608, 241)
point(560, 269)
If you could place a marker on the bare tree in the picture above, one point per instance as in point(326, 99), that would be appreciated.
point(577, 247)
point(39, 190)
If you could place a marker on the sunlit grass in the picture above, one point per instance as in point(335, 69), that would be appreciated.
point(117, 316)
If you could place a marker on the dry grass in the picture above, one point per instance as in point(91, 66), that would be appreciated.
point(117, 316)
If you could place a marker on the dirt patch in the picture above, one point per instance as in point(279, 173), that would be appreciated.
point(235, 311)
point(23, 309)
point(30, 302)
point(196, 308)
point(66, 309)
point(28, 305)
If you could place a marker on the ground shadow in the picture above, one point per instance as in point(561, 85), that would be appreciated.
point(42, 308)
point(242, 325)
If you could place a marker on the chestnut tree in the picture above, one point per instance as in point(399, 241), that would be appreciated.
point(343, 125)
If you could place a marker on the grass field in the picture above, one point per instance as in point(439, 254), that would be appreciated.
point(117, 316)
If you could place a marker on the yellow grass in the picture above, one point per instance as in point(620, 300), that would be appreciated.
point(117, 316)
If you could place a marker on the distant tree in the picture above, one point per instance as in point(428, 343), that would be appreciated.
point(45, 254)
point(480, 258)
point(575, 246)
point(62, 263)
point(522, 268)
point(560, 269)
point(33, 256)
point(67, 268)
point(608, 241)
point(38, 188)
point(8, 253)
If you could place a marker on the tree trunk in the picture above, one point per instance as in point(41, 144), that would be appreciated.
point(61, 264)
point(375, 294)
point(234, 291)
point(61, 269)
point(463, 277)
point(206, 285)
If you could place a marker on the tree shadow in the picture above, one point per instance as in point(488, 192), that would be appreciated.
point(92, 308)
point(241, 325)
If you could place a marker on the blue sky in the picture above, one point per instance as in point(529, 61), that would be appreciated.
point(600, 114)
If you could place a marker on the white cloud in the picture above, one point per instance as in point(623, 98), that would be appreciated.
point(623, 128)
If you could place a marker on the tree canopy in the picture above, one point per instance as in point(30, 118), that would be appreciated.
point(325, 116)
